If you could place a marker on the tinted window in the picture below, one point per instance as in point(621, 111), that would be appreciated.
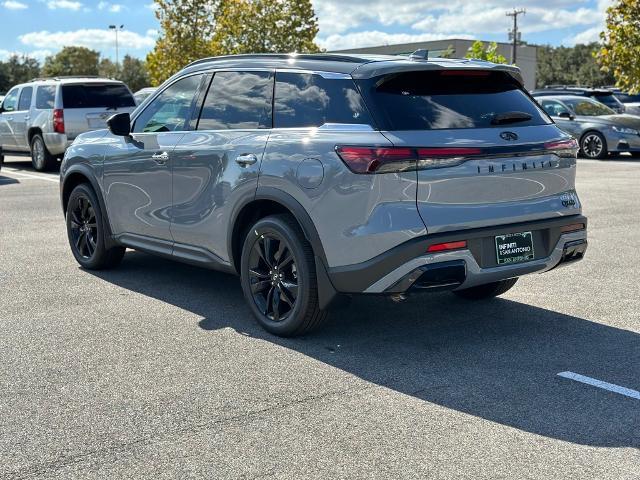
point(10, 102)
point(627, 98)
point(111, 95)
point(447, 99)
point(238, 100)
point(588, 107)
point(608, 99)
point(170, 110)
point(25, 98)
point(308, 100)
point(45, 97)
point(554, 108)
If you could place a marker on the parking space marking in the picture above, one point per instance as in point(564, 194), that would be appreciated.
point(628, 392)
point(29, 175)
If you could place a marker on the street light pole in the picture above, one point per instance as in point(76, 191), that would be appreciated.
point(116, 28)
point(514, 32)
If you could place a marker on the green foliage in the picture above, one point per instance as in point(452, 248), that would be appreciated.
point(107, 68)
point(490, 53)
point(571, 66)
point(620, 52)
point(186, 31)
point(194, 29)
point(263, 26)
point(18, 69)
point(72, 61)
point(132, 71)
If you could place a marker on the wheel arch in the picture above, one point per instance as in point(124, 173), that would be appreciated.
point(32, 132)
point(269, 201)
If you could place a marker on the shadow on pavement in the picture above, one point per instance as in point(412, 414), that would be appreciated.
point(7, 180)
point(497, 360)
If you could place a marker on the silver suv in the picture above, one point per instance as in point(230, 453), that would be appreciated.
point(41, 118)
point(316, 177)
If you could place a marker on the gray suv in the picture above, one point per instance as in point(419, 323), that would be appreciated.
point(41, 118)
point(318, 177)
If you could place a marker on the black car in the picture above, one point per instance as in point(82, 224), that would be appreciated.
point(602, 95)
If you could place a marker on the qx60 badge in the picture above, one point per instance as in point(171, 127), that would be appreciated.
point(509, 136)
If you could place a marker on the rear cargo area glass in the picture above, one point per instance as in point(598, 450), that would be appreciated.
point(444, 99)
point(96, 96)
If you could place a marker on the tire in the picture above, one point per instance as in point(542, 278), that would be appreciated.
point(1, 159)
point(86, 232)
point(635, 154)
point(593, 145)
point(281, 293)
point(489, 290)
point(41, 159)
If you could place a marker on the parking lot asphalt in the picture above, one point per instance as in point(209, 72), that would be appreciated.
point(157, 370)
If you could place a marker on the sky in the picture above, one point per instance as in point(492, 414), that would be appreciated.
point(42, 27)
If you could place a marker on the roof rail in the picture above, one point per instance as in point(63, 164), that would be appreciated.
point(329, 57)
point(62, 77)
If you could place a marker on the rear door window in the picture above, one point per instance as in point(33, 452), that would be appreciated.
point(45, 97)
point(444, 99)
point(109, 95)
point(25, 99)
point(238, 100)
point(310, 100)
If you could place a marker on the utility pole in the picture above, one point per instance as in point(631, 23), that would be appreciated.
point(514, 35)
point(116, 28)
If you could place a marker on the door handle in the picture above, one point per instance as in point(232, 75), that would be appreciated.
point(27, 117)
point(160, 158)
point(246, 159)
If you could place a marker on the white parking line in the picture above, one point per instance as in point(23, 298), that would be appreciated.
point(600, 384)
point(48, 178)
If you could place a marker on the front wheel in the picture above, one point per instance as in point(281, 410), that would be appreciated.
point(488, 290)
point(593, 145)
point(278, 277)
point(85, 230)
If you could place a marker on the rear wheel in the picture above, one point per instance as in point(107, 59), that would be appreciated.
point(41, 159)
point(488, 290)
point(278, 277)
point(594, 145)
point(86, 231)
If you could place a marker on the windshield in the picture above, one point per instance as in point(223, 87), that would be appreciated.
point(443, 99)
point(110, 95)
point(587, 107)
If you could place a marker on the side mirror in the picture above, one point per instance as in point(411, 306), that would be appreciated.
point(566, 115)
point(120, 124)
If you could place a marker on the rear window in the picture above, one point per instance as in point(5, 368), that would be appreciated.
point(112, 95)
point(432, 100)
point(310, 100)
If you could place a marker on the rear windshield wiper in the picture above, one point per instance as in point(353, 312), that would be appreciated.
point(510, 117)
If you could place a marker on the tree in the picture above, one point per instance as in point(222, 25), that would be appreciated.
point(490, 53)
point(263, 26)
point(72, 61)
point(18, 69)
point(107, 68)
point(620, 52)
point(134, 73)
point(571, 66)
point(186, 31)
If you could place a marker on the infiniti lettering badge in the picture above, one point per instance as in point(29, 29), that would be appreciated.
point(508, 136)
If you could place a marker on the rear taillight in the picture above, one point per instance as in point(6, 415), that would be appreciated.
point(563, 148)
point(58, 120)
point(446, 246)
point(399, 159)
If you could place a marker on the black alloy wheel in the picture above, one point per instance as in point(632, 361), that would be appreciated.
point(84, 227)
point(273, 276)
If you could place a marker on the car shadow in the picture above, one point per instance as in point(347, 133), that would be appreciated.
point(497, 360)
point(7, 180)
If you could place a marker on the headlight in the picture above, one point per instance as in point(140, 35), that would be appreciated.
point(628, 131)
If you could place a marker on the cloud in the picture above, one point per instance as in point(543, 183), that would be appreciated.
point(63, 4)
point(13, 5)
point(110, 7)
point(88, 37)
point(591, 34)
point(39, 55)
point(375, 38)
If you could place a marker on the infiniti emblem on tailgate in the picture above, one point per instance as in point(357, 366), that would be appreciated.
point(508, 136)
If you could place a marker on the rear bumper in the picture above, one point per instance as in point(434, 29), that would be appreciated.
point(408, 267)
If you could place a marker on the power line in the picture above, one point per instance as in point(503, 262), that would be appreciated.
point(514, 35)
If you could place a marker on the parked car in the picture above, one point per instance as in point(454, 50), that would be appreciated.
point(631, 102)
point(142, 94)
point(42, 117)
point(598, 129)
point(319, 176)
point(605, 96)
